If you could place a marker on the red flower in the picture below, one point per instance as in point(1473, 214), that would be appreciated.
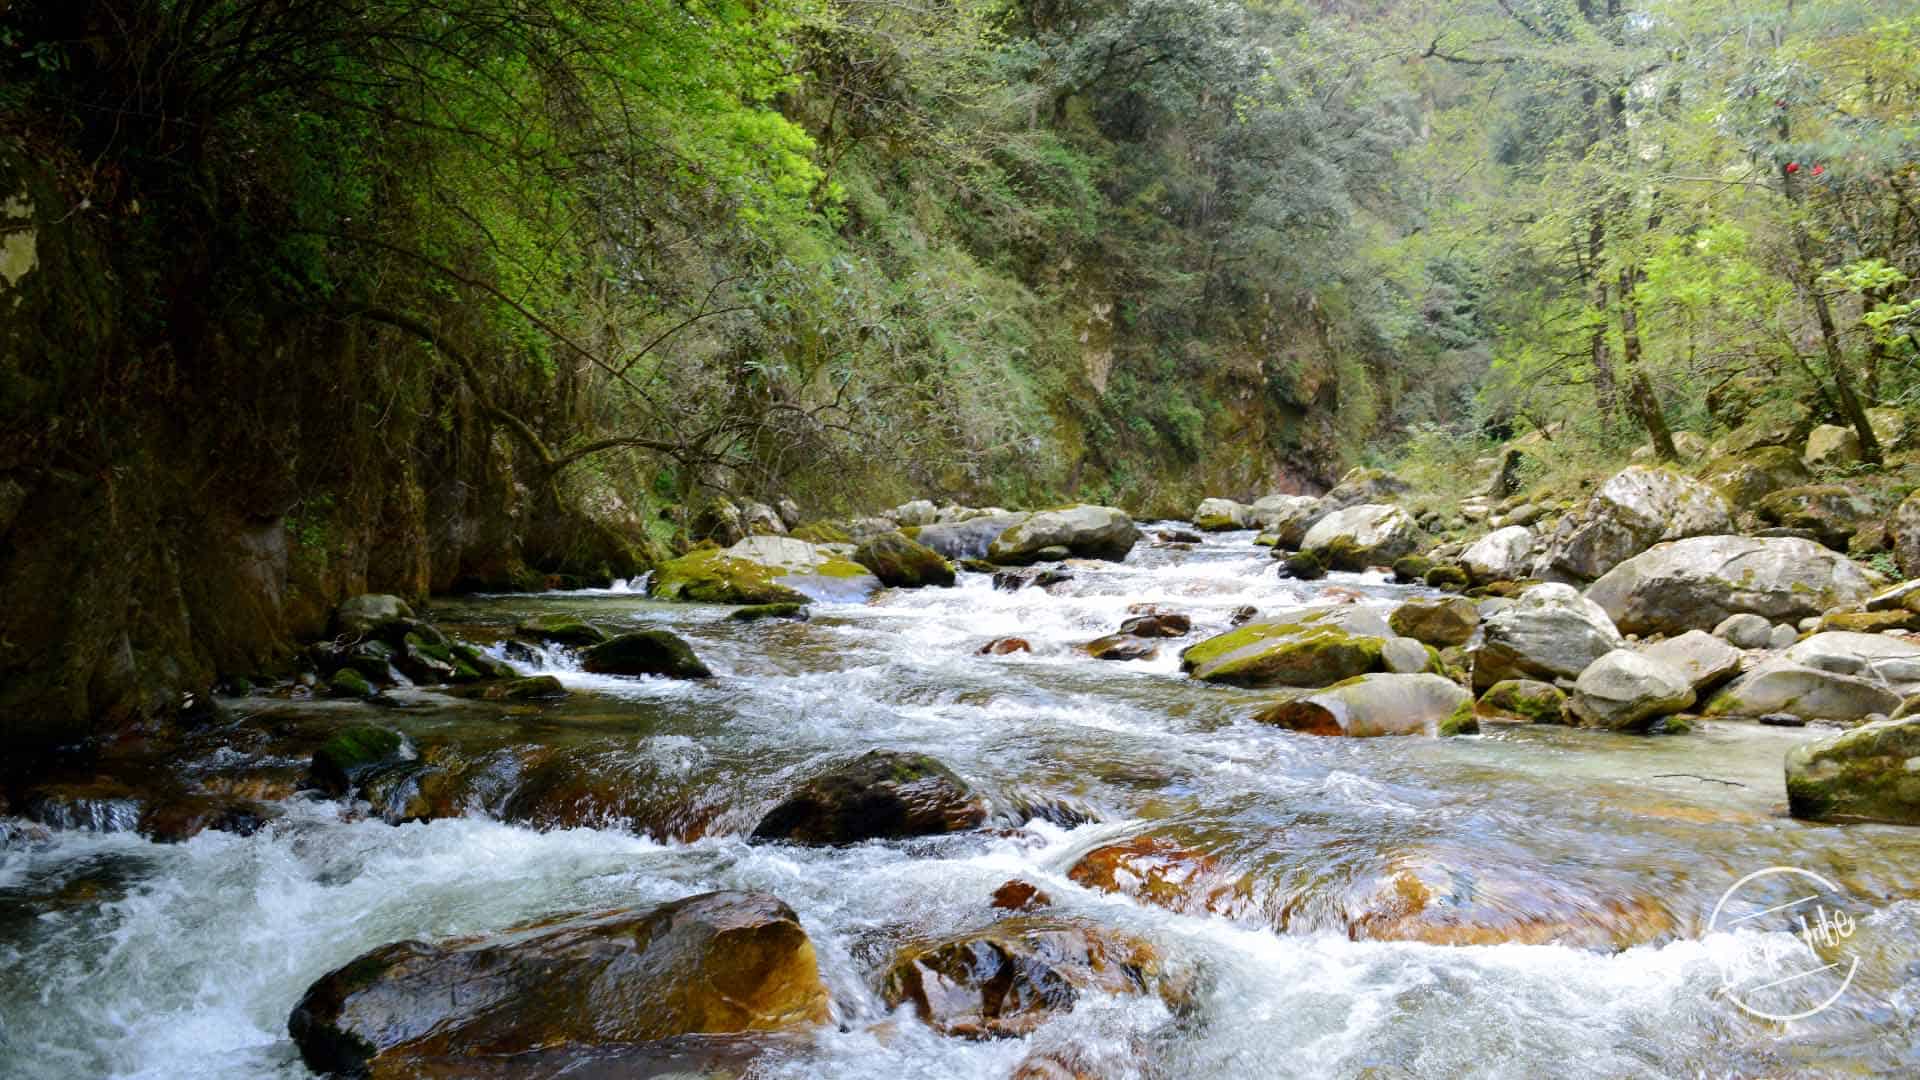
point(1818, 169)
point(1793, 167)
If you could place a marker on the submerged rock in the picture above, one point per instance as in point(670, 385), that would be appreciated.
point(756, 612)
point(901, 563)
point(1087, 532)
point(881, 795)
point(1121, 647)
point(646, 652)
point(1866, 774)
point(1156, 871)
point(1007, 980)
point(1697, 583)
point(1005, 646)
point(715, 963)
point(1372, 705)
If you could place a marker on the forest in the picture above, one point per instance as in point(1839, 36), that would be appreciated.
point(831, 538)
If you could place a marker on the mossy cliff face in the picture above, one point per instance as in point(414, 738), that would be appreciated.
point(190, 479)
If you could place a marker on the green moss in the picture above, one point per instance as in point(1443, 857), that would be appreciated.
point(348, 683)
point(1462, 721)
point(1313, 656)
point(756, 612)
point(1449, 578)
point(351, 753)
point(714, 577)
point(822, 532)
point(1411, 568)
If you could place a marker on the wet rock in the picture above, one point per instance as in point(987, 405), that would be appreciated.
point(354, 753)
point(561, 630)
point(1502, 555)
point(1635, 509)
point(1458, 898)
point(1160, 872)
point(1007, 980)
point(531, 688)
point(1746, 478)
point(1781, 719)
point(348, 683)
point(1784, 686)
point(1121, 647)
point(714, 963)
point(762, 570)
point(1406, 656)
point(756, 612)
point(1015, 580)
point(1524, 701)
point(1704, 660)
point(1178, 536)
point(1017, 895)
point(1304, 565)
point(1695, 584)
point(177, 820)
point(1745, 631)
point(1314, 648)
point(1448, 578)
point(1243, 615)
point(645, 652)
point(1440, 623)
point(968, 539)
point(1627, 691)
point(1220, 515)
point(1160, 625)
point(1005, 646)
point(1411, 569)
point(1830, 513)
point(1549, 632)
point(881, 795)
point(1861, 775)
point(901, 563)
point(368, 613)
point(1830, 446)
point(1357, 537)
point(93, 804)
point(1088, 532)
point(1372, 705)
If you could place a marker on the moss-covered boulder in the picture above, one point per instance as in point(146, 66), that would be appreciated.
point(531, 688)
point(1832, 513)
point(717, 963)
point(646, 652)
point(561, 629)
point(883, 794)
point(1084, 531)
point(349, 683)
point(1861, 775)
point(1524, 701)
point(756, 612)
point(763, 570)
point(1411, 569)
point(823, 532)
point(1221, 515)
point(1440, 623)
point(1448, 578)
point(353, 753)
point(1311, 649)
point(901, 563)
point(1372, 705)
point(1303, 565)
point(368, 613)
point(1747, 477)
point(1356, 537)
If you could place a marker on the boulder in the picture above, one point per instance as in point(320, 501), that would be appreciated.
point(1746, 478)
point(531, 688)
point(1440, 623)
point(356, 752)
point(762, 570)
point(757, 612)
point(1372, 705)
point(917, 512)
point(901, 563)
point(1308, 649)
point(645, 652)
point(1689, 446)
point(759, 519)
point(368, 613)
point(1524, 701)
point(1627, 691)
point(560, 630)
point(1088, 532)
point(1892, 428)
point(1549, 632)
point(1152, 870)
point(1162, 624)
point(1502, 555)
point(1121, 647)
point(1866, 774)
point(1892, 660)
point(1447, 578)
point(1004, 646)
point(1744, 631)
point(1695, 584)
point(967, 539)
point(720, 522)
point(1357, 537)
point(1364, 485)
point(1832, 513)
point(1703, 659)
point(1904, 527)
point(1220, 515)
point(1830, 446)
point(789, 512)
point(1277, 514)
point(1785, 686)
point(717, 963)
point(1407, 656)
point(1302, 565)
point(1007, 980)
point(881, 795)
point(348, 683)
point(1636, 508)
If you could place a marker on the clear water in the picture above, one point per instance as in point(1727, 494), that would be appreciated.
point(120, 957)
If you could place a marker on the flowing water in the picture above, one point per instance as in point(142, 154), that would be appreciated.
point(123, 957)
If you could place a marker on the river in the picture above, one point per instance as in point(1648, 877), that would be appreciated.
point(123, 957)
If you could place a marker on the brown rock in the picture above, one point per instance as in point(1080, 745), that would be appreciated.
point(1005, 646)
point(1017, 895)
point(1164, 874)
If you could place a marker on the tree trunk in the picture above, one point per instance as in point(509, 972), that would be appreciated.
point(1645, 403)
point(1603, 385)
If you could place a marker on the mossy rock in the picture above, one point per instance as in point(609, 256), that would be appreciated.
point(1870, 622)
point(349, 683)
point(1409, 569)
point(531, 688)
point(1308, 653)
point(1448, 578)
point(561, 630)
point(978, 566)
point(713, 577)
point(354, 752)
point(902, 563)
point(1859, 775)
point(1305, 565)
point(822, 532)
point(1525, 700)
point(756, 612)
point(646, 652)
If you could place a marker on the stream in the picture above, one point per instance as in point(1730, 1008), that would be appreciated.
point(123, 957)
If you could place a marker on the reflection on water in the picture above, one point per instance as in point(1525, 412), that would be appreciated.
point(1525, 902)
